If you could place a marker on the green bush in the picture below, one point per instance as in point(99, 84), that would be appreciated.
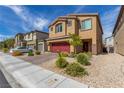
point(64, 54)
point(37, 52)
point(61, 62)
point(30, 53)
point(5, 50)
point(83, 59)
point(17, 53)
point(74, 69)
point(89, 54)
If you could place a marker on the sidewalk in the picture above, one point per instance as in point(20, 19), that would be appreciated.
point(23, 74)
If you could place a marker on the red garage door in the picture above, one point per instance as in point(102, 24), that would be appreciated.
point(61, 47)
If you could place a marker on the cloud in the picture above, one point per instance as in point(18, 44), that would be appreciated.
point(79, 9)
point(108, 21)
point(30, 21)
point(19, 11)
point(39, 23)
point(3, 37)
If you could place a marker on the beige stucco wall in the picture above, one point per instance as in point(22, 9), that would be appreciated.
point(119, 37)
point(119, 41)
point(99, 40)
point(71, 29)
point(31, 42)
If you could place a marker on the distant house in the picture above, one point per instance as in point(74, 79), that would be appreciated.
point(109, 44)
point(87, 26)
point(118, 33)
point(19, 40)
point(34, 39)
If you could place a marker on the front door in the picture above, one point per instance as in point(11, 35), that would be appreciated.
point(85, 46)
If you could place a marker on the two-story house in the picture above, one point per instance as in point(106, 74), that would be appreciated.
point(87, 26)
point(34, 39)
point(118, 33)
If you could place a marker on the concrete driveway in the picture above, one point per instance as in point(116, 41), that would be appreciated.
point(39, 59)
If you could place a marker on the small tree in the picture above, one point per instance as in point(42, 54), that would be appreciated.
point(75, 41)
point(9, 42)
point(1, 45)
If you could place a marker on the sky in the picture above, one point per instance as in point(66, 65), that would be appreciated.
point(16, 19)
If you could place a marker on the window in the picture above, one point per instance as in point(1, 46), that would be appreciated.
point(59, 28)
point(69, 23)
point(86, 24)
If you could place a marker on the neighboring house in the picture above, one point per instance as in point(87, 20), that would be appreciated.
point(109, 44)
point(19, 40)
point(87, 26)
point(34, 39)
point(118, 33)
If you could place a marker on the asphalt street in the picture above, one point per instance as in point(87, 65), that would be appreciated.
point(3, 81)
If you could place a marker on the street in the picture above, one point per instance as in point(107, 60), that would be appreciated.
point(3, 81)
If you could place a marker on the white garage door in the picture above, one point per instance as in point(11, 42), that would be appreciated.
point(40, 47)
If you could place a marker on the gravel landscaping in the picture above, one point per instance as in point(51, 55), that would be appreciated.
point(105, 71)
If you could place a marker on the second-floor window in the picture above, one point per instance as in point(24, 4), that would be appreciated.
point(69, 23)
point(86, 24)
point(59, 28)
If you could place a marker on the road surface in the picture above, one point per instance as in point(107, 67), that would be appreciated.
point(3, 81)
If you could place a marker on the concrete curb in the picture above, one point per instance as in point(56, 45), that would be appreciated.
point(22, 74)
point(10, 79)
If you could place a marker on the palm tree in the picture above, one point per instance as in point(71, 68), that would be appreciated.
point(75, 41)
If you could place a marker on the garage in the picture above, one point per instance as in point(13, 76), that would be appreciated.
point(40, 47)
point(61, 46)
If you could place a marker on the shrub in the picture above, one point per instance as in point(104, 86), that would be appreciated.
point(30, 53)
point(37, 52)
point(83, 59)
point(64, 54)
point(74, 69)
point(5, 50)
point(61, 62)
point(89, 54)
point(16, 53)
